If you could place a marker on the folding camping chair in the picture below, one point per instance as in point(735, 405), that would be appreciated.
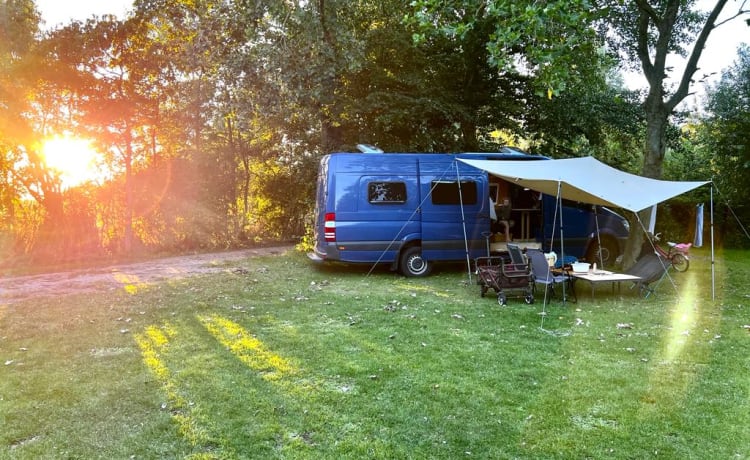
point(543, 274)
point(516, 256)
point(651, 268)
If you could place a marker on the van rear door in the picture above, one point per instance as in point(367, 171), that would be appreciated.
point(384, 217)
point(370, 206)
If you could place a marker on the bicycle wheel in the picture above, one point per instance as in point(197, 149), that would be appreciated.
point(680, 262)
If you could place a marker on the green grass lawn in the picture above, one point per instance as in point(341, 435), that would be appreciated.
point(277, 358)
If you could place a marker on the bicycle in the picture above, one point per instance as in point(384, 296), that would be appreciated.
point(677, 255)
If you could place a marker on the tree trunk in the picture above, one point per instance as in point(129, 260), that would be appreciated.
point(128, 243)
point(469, 134)
point(654, 149)
point(48, 246)
point(658, 106)
point(331, 132)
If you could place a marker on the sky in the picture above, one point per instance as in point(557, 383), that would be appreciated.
point(57, 12)
point(719, 54)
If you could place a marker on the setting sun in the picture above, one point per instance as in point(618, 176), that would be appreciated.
point(73, 158)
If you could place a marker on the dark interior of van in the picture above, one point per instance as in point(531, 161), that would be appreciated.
point(518, 211)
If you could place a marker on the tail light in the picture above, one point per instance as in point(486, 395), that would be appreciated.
point(330, 227)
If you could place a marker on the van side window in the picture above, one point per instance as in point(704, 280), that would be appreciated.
point(386, 192)
point(446, 192)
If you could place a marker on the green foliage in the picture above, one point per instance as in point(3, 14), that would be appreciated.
point(723, 135)
point(591, 118)
point(727, 125)
point(549, 41)
point(647, 22)
point(280, 197)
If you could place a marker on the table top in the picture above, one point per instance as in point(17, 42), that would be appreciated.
point(500, 246)
point(603, 275)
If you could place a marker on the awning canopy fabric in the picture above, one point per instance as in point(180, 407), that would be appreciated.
point(587, 180)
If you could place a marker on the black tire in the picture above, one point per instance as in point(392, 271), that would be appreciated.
point(680, 262)
point(412, 264)
point(609, 252)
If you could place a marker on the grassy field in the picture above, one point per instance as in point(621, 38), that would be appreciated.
point(276, 358)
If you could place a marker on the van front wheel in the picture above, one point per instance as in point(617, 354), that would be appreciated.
point(412, 264)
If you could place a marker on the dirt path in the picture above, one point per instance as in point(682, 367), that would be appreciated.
point(14, 289)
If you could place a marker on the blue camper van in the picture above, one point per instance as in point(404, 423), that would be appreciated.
point(412, 209)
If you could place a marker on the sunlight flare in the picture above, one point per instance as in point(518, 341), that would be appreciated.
point(73, 158)
point(684, 319)
point(247, 348)
point(677, 367)
point(153, 343)
point(131, 283)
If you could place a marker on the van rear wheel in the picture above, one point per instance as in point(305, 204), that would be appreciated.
point(412, 264)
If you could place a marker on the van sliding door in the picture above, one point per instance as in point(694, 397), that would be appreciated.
point(442, 218)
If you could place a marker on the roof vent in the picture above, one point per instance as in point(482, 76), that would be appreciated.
point(367, 148)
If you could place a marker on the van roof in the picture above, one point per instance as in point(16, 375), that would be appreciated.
point(505, 152)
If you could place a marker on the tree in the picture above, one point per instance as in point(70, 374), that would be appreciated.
point(93, 60)
point(649, 32)
point(593, 117)
point(19, 22)
point(549, 41)
point(723, 133)
point(25, 113)
point(145, 90)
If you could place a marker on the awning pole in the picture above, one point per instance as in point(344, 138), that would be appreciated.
point(562, 236)
point(598, 236)
point(713, 261)
point(463, 222)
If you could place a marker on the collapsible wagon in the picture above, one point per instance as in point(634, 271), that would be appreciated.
point(497, 273)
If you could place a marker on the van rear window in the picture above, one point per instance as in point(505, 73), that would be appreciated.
point(447, 192)
point(386, 192)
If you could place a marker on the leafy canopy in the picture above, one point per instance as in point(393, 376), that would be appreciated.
point(546, 40)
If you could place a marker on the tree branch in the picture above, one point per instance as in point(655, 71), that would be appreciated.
point(644, 6)
point(665, 27)
point(643, 54)
point(695, 55)
point(742, 11)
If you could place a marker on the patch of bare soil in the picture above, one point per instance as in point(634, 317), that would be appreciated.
point(15, 289)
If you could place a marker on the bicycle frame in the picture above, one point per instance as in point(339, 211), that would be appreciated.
point(677, 255)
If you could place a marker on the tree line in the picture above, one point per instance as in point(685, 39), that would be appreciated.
point(211, 115)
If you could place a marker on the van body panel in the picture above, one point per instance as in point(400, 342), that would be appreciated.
point(581, 223)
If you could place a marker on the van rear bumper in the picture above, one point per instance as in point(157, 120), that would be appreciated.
point(325, 253)
point(315, 258)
